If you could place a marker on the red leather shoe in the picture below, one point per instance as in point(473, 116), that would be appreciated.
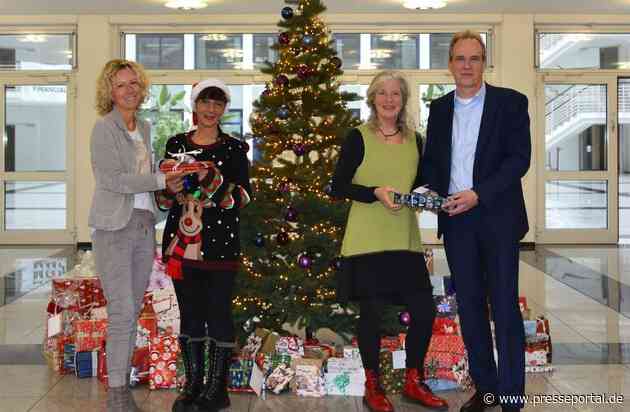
point(374, 397)
point(416, 391)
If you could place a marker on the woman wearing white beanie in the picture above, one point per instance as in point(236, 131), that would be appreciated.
point(201, 245)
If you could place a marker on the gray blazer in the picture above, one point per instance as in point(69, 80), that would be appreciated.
point(113, 165)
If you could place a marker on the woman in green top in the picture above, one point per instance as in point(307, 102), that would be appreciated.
point(383, 257)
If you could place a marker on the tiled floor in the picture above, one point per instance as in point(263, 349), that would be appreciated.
point(584, 291)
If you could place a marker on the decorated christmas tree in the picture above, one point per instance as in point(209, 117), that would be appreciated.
point(291, 233)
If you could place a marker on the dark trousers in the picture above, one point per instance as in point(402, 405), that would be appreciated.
point(420, 306)
point(205, 304)
point(485, 265)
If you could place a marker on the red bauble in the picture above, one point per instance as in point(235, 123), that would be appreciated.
point(282, 238)
point(303, 72)
point(282, 80)
point(284, 39)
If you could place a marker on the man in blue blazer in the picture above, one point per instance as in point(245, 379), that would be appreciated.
point(478, 149)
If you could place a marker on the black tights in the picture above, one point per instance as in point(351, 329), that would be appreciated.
point(205, 304)
point(420, 306)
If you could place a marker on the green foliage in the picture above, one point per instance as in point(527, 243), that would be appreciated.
point(165, 122)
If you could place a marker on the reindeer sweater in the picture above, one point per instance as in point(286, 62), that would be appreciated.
point(215, 207)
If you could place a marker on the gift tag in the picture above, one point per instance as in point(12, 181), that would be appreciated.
point(257, 379)
point(54, 325)
point(398, 359)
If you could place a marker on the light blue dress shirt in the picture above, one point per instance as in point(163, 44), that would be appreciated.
point(466, 122)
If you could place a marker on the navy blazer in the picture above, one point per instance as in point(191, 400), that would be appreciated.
point(502, 158)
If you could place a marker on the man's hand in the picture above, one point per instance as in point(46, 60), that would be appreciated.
point(383, 195)
point(461, 202)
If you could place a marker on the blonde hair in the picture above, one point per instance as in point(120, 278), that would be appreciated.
point(467, 35)
point(104, 102)
point(403, 122)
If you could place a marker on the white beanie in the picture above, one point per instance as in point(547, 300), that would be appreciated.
point(204, 84)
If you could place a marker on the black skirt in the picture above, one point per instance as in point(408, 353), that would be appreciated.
point(390, 275)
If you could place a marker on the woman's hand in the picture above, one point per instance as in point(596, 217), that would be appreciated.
point(383, 194)
point(175, 181)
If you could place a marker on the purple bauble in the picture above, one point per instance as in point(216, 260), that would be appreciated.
point(282, 238)
point(337, 62)
point(283, 112)
point(291, 215)
point(303, 71)
point(284, 39)
point(284, 187)
point(404, 318)
point(299, 149)
point(336, 263)
point(304, 261)
point(282, 80)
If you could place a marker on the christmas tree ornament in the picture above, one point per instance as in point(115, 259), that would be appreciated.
point(303, 72)
point(305, 261)
point(307, 39)
point(337, 62)
point(328, 188)
point(404, 318)
point(282, 80)
point(259, 240)
point(284, 39)
point(284, 187)
point(299, 149)
point(282, 238)
point(336, 263)
point(287, 13)
point(291, 215)
point(283, 112)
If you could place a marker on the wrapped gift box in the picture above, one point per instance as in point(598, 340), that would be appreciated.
point(89, 335)
point(352, 352)
point(279, 379)
point(538, 369)
point(309, 377)
point(101, 371)
point(79, 294)
point(445, 352)
point(69, 356)
point(345, 383)
point(441, 385)
point(290, 345)
point(392, 343)
point(537, 350)
point(163, 362)
point(338, 365)
point(86, 364)
point(166, 308)
point(446, 306)
point(391, 379)
point(445, 326)
point(240, 373)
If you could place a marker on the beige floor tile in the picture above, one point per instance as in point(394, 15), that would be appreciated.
point(26, 380)
point(18, 404)
point(289, 403)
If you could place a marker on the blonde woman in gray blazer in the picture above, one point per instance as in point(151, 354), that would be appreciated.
point(122, 215)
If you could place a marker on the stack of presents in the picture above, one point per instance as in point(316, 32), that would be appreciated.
point(267, 362)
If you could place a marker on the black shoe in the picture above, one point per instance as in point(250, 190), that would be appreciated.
point(214, 395)
point(480, 402)
point(192, 357)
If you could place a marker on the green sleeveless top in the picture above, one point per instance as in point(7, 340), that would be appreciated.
point(372, 227)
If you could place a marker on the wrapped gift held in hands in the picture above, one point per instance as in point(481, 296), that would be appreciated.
point(422, 201)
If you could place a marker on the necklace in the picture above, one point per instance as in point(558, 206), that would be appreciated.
point(388, 135)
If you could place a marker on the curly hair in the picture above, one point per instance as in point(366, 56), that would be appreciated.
point(403, 122)
point(104, 102)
